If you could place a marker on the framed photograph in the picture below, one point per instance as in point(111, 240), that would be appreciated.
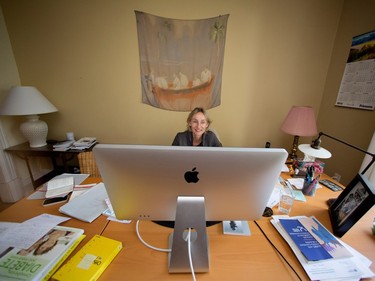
point(355, 200)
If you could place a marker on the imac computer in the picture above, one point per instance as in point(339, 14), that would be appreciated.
point(190, 186)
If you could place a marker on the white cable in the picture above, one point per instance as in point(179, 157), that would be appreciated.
point(169, 250)
point(189, 252)
point(148, 245)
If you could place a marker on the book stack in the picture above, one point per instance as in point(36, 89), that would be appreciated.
point(43, 258)
point(84, 143)
point(321, 254)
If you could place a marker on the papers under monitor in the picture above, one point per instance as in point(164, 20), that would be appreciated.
point(88, 206)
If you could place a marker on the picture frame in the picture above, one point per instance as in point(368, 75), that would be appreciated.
point(353, 202)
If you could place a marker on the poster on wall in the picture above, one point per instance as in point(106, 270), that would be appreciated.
point(181, 61)
point(357, 89)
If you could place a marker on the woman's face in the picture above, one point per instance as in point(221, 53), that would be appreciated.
point(198, 124)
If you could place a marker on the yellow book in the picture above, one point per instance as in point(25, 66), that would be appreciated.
point(90, 261)
point(63, 258)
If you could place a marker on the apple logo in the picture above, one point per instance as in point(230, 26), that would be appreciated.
point(192, 176)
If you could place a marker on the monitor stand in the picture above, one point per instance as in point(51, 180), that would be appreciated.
point(190, 213)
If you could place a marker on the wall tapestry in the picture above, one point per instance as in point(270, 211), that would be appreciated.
point(181, 61)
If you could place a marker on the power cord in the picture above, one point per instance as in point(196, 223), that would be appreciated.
point(188, 239)
point(146, 244)
point(277, 250)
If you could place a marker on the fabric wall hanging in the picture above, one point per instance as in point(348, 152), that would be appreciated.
point(181, 61)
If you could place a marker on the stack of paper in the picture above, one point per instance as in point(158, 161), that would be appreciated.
point(63, 145)
point(84, 143)
point(322, 255)
point(87, 206)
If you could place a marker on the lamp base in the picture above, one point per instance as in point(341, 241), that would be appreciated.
point(35, 131)
point(293, 153)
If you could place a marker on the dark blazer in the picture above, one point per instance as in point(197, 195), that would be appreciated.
point(186, 139)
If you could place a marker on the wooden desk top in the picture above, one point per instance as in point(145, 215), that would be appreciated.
point(231, 257)
point(26, 209)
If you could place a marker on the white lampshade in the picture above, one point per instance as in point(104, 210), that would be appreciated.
point(26, 100)
point(312, 153)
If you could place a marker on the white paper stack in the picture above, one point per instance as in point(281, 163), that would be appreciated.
point(84, 143)
point(87, 206)
point(351, 268)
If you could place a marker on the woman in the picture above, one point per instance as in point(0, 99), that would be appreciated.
point(197, 133)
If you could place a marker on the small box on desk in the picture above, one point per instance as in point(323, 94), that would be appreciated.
point(90, 261)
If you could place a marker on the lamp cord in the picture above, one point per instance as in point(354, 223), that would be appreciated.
point(277, 250)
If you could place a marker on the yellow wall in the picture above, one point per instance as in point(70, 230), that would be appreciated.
point(351, 125)
point(83, 56)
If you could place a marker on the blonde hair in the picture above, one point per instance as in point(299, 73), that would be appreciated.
point(195, 111)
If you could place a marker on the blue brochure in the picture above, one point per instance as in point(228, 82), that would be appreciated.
point(305, 241)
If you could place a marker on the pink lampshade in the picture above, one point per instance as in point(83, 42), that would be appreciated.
point(300, 121)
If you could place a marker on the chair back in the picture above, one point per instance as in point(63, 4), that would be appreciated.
point(87, 164)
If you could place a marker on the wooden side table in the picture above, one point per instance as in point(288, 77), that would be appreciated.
point(25, 152)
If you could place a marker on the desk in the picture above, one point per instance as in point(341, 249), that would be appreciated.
point(24, 151)
point(26, 209)
point(231, 257)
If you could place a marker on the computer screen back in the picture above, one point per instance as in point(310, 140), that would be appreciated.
point(143, 181)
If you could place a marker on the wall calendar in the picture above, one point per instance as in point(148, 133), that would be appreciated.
point(357, 89)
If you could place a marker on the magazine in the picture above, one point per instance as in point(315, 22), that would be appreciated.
point(325, 238)
point(313, 239)
point(304, 240)
point(39, 261)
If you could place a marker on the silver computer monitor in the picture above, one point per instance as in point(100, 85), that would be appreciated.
point(188, 185)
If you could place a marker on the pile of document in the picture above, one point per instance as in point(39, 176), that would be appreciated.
point(327, 258)
point(83, 143)
point(63, 145)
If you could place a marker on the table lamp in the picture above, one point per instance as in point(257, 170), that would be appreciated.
point(300, 122)
point(28, 101)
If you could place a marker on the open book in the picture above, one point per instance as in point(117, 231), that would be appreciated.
point(59, 186)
